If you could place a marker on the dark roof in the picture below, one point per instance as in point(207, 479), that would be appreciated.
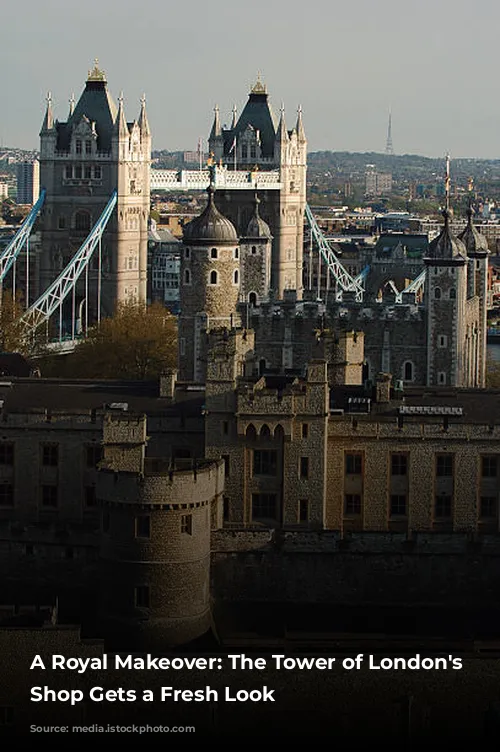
point(447, 246)
point(23, 395)
point(98, 106)
point(259, 114)
point(412, 242)
point(257, 227)
point(473, 240)
point(211, 225)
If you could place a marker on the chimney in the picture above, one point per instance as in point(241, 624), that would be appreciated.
point(383, 387)
point(167, 384)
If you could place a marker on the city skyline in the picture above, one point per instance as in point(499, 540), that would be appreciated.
point(346, 75)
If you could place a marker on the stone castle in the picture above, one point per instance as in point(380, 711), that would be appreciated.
point(305, 453)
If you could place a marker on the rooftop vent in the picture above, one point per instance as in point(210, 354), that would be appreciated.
point(429, 410)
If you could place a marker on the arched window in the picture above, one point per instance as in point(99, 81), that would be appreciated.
point(279, 432)
point(187, 277)
point(437, 293)
point(252, 298)
point(236, 277)
point(236, 253)
point(254, 250)
point(82, 221)
point(265, 433)
point(262, 366)
point(187, 253)
point(213, 277)
point(408, 371)
point(251, 433)
point(213, 253)
point(453, 293)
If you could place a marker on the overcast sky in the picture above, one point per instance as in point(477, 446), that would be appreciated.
point(432, 62)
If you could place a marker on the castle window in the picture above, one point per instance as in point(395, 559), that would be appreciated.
point(305, 430)
point(93, 455)
point(488, 507)
point(143, 526)
point(254, 250)
point(68, 171)
point(399, 464)
point(441, 378)
point(227, 465)
point(352, 504)
point(82, 221)
point(252, 298)
point(303, 510)
point(88, 147)
point(244, 151)
point(353, 464)
point(225, 509)
point(489, 466)
point(235, 277)
point(264, 462)
point(408, 371)
point(444, 465)
point(141, 596)
point(442, 340)
point(251, 433)
point(6, 453)
point(437, 293)
point(87, 172)
point(50, 455)
point(213, 253)
point(61, 223)
point(187, 277)
point(78, 172)
point(236, 253)
point(265, 431)
point(49, 496)
point(264, 506)
point(304, 468)
point(90, 497)
point(398, 505)
point(97, 172)
point(453, 293)
point(78, 147)
point(253, 151)
point(442, 506)
point(6, 495)
point(187, 253)
point(213, 277)
point(187, 524)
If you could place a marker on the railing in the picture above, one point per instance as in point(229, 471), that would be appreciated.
point(224, 179)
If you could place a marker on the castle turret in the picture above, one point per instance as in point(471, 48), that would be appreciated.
point(256, 252)
point(210, 285)
point(155, 545)
point(445, 301)
point(215, 140)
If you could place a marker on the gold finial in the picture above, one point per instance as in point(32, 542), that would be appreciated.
point(259, 87)
point(143, 100)
point(96, 74)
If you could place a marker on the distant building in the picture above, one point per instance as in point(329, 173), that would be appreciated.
point(28, 182)
point(163, 267)
point(377, 183)
point(4, 190)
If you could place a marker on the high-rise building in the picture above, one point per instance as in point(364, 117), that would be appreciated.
point(28, 182)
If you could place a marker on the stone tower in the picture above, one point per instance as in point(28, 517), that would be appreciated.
point(209, 286)
point(155, 544)
point(477, 286)
point(82, 161)
point(256, 255)
point(260, 142)
point(447, 309)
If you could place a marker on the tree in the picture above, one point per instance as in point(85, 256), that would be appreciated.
point(138, 342)
point(13, 335)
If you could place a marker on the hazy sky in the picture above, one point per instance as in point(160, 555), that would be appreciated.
point(433, 62)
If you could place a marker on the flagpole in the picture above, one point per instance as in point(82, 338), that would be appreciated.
point(235, 149)
point(447, 183)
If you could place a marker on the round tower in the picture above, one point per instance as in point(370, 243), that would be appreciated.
point(209, 286)
point(256, 252)
point(155, 544)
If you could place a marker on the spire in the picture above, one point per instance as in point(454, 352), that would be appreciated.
point(301, 134)
point(216, 131)
point(143, 118)
point(234, 120)
point(48, 121)
point(474, 241)
point(389, 149)
point(121, 127)
point(282, 135)
point(447, 183)
point(71, 104)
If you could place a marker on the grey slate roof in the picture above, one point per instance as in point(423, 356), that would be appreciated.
point(211, 225)
point(95, 103)
point(259, 114)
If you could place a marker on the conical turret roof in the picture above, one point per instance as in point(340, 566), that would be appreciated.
point(257, 227)
point(446, 246)
point(475, 243)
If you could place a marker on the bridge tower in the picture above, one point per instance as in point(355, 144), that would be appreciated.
point(260, 142)
point(82, 161)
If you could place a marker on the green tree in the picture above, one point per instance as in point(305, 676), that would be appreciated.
point(138, 342)
point(13, 335)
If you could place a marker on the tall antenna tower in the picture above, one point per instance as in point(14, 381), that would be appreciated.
point(389, 149)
